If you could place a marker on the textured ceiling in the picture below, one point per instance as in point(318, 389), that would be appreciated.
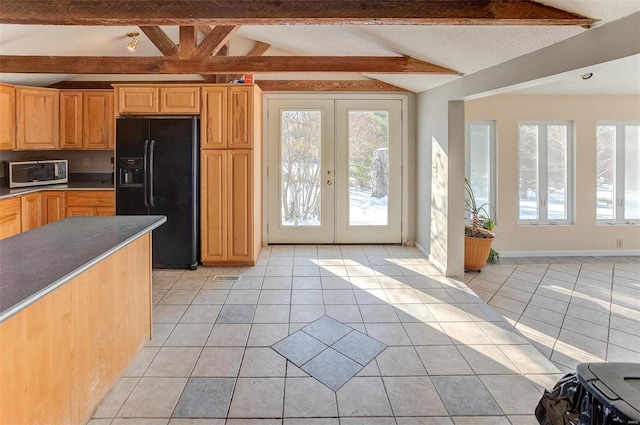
point(466, 49)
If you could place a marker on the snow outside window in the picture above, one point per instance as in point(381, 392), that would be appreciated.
point(618, 173)
point(545, 172)
point(480, 161)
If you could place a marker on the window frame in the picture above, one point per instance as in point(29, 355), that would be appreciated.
point(619, 173)
point(493, 182)
point(543, 173)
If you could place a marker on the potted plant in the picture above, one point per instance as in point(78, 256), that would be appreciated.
point(479, 235)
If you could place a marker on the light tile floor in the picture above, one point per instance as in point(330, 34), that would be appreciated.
point(572, 309)
point(449, 358)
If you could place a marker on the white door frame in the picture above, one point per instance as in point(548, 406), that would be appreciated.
point(408, 167)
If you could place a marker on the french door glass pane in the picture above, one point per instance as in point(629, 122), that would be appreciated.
point(557, 172)
point(368, 168)
point(632, 172)
point(528, 167)
point(480, 161)
point(606, 172)
point(301, 156)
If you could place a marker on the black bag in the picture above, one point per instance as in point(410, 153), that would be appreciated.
point(561, 405)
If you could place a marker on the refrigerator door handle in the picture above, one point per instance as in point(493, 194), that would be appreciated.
point(144, 170)
point(151, 149)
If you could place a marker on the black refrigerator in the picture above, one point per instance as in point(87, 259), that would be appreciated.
point(157, 173)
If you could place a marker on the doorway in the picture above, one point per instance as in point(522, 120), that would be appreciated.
point(334, 173)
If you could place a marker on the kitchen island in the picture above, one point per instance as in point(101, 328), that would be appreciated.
point(75, 309)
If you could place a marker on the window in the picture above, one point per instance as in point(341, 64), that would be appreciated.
point(545, 168)
point(480, 161)
point(618, 172)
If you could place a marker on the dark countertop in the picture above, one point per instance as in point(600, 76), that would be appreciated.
point(36, 262)
point(6, 193)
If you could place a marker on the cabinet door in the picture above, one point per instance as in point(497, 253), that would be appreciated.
point(10, 223)
point(179, 100)
point(7, 117)
point(31, 211)
point(98, 120)
point(71, 119)
point(138, 100)
point(37, 115)
point(213, 205)
point(53, 206)
point(214, 118)
point(240, 205)
point(240, 118)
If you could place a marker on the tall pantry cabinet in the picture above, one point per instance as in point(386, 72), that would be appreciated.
point(231, 190)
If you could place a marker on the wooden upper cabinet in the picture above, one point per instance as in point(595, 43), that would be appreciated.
point(37, 118)
point(158, 99)
point(71, 119)
point(213, 132)
point(98, 120)
point(31, 211)
point(240, 117)
point(7, 117)
point(87, 119)
point(138, 100)
point(179, 100)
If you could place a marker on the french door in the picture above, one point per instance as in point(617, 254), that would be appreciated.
point(334, 171)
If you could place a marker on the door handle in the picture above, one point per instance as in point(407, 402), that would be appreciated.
point(152, 147)
point(144, 170)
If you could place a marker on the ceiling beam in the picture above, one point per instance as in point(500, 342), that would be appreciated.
point(265, 85)
point(328, 85)
point(258, 49)
point(274, 12)
point(217, 65)
point(161, 40)
point(214, 40)
point(188, 40)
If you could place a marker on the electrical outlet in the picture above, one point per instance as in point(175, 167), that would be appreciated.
point(86, 161)
point(618, 243)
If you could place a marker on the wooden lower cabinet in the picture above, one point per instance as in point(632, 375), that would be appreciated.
point(54, 206)
point(228, 196)
point(31, 211)
point(10, 221)
point(90, 202)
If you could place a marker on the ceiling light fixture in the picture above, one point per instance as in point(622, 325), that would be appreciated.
point(134, 42)
point(587, 75)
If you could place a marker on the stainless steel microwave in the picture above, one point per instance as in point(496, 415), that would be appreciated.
point(36, 173)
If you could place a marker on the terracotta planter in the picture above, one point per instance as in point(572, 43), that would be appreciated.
point(476, 252)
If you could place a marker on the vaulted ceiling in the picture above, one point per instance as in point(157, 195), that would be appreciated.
point(300, 44)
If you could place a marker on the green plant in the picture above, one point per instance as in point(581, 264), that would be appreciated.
point(481, 221)
point(494, 256)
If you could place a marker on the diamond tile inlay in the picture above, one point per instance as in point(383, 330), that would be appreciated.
point(329, 351)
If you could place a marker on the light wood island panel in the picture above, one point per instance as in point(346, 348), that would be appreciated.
point(61, 355)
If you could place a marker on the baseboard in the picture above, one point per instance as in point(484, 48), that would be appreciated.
point(579, 253)
point(432, 259)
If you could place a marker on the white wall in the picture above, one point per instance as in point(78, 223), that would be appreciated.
point(567, 58)
point(584, 111)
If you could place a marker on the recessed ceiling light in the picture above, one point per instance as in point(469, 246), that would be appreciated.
point(587, 75)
